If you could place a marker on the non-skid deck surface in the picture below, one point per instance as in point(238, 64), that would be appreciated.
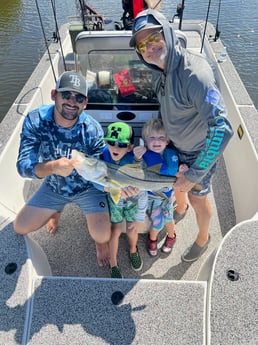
point(234, 288)
point(82, 312)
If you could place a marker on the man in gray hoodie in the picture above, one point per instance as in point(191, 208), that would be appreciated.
point(193, 113)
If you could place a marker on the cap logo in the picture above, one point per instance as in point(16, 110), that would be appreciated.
point(140, 22)
point(115, 132)
point(75, 80)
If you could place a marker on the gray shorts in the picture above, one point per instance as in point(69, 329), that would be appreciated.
point(90, 201)
point(189, 159)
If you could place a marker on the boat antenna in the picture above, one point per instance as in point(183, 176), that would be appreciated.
point(56, 34)
point(45, 39)
point(206, 21)
point(217, 34)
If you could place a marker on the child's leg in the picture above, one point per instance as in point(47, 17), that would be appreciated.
point(153, 234)
point(116, 230)
point(52, 223)
point(170, 229)
point(132, 234)
point(170, 238)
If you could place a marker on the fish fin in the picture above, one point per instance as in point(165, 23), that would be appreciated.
point(132, 166)
point(155, 168)
point(114, 182)
point(115, 194)
point(161, 195)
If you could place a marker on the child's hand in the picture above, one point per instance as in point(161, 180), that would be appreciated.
point(183, 168)
point(139, 151)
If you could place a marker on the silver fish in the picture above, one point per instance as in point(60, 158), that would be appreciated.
point(116, 177)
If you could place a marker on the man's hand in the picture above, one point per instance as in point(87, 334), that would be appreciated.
point(182, 183)
point(62, 167)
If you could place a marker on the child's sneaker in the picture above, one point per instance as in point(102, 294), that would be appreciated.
point(115, 272)
point(152, 247)
point(168, 244)
point(136, 261)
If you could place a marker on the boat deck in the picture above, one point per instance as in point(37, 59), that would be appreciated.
point(167, 302)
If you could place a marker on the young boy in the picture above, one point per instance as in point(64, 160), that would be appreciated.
point(160, 207)
point(120, 138)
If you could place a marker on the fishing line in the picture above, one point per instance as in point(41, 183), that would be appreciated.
point(45, 38)
point(57, 33)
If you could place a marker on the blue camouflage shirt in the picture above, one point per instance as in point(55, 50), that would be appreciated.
point(43, 140)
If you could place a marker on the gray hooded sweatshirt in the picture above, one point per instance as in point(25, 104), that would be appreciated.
point(191, 106)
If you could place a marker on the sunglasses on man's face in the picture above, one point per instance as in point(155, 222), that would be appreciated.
point(152, 38)
point(78, 97)
point(120, 145)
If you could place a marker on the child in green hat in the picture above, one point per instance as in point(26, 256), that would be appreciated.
point(119, 150)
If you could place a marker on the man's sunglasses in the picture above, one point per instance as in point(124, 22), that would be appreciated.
point(120, 145)
point(78, 97)
point(152, 38)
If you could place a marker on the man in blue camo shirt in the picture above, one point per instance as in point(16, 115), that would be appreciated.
point(49, 135)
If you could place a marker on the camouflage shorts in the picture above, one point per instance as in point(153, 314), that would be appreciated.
point(118, 214)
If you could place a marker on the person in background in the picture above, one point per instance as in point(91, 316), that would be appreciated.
point(49, 134)
point(193, 113)
point(131, 9)
point(120, 141)
point(160, 208)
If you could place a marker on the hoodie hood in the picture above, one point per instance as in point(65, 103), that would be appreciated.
point(149, 19)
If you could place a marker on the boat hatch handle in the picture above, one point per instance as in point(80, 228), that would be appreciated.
point(232, 275)
point(126, 116)
point(117, 297)
point(10, 268)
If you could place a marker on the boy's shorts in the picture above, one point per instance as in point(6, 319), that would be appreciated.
point(189, 159)
point(118, 214)
point(90, 201)
point(160, 213)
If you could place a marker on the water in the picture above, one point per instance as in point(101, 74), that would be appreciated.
point(22, 43)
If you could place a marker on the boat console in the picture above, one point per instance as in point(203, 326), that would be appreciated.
point(120, 87)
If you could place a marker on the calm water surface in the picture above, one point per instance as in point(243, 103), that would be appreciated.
point(22, 42)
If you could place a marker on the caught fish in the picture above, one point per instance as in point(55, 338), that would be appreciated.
point(116, 177)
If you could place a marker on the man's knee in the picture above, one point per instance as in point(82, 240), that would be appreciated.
point(99, 227)
point(19, 228)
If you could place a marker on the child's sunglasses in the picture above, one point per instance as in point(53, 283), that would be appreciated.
point(120, 145)
point(78, 97)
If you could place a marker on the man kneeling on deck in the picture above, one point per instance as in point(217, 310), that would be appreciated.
point(49, 135)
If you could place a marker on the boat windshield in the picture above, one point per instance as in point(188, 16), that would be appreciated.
point(117, 78)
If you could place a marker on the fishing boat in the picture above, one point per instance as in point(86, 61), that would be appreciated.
point(52, 289)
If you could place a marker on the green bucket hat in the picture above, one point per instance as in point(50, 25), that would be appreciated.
point(119, 132)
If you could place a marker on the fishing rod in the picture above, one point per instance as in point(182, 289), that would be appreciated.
point(57, 33)
point(217, 34)
point(45, 38)
point(206, 21)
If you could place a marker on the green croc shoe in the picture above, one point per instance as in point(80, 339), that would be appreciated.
point(136, 261)
point(115, 272)
point(194, 252)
